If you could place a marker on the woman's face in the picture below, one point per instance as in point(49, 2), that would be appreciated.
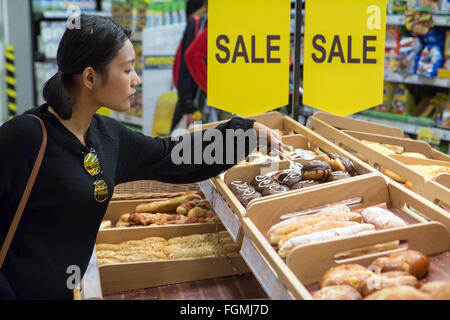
point(118, 92)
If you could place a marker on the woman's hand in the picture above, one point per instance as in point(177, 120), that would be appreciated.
point(268, 137)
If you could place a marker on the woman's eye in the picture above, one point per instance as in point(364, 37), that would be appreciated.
point(128, 71)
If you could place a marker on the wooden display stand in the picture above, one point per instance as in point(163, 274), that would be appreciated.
point(343, 123)
point(305, 264)
point(431, 190)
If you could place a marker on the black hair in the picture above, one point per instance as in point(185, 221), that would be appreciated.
point(192, 6)
point(93, 42)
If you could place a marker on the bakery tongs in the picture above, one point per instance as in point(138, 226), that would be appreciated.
point(300, 152)
point(295, 166)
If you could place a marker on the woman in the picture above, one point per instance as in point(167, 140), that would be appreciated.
point(86, 156)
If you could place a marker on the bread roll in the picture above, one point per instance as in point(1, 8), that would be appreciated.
point(321, 226)
point(398, 293)
point(350, 274)
point(388, 279)
point(338, 292)
point(167, 206)
point(278, 234)
point(412, 261)
point(381, 218)
point(437, 290)
point(324, 236)
point(339, 208)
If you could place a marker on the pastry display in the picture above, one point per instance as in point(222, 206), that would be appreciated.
point(331, 223)
point(429, 172)
point(190, 207)
point(381, 218)
point(398, 293)
point(312, 173)
point(217, 244)
point(396, 279)
point(412, 261)
point(337, 292)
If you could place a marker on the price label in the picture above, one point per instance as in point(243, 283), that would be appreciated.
point(425, 135)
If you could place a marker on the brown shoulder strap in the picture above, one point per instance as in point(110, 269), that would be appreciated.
point(26, 194)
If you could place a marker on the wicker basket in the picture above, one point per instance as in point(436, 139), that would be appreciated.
point(145, 189)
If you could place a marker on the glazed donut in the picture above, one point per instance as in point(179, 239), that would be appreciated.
point(289, 178)
point(304, 184)
point(340, 163)
point(243, 192)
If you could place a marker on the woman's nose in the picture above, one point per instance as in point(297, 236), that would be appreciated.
point(136, 80)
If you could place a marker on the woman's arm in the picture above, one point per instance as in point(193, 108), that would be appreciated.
point(192, 158)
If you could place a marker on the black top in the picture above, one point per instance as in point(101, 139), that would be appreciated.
point(60, 222)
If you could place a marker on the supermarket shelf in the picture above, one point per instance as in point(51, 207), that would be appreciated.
point(61, 15)
point(408, 128)
point(122, 117)
point(439, 20)
point(415, 79)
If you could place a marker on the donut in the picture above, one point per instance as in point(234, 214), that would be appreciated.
point(316, 170)
point(338, 175)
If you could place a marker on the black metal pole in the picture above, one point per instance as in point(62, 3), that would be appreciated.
point(297, 57)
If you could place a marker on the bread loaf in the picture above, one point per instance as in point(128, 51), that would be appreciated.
point(166, 206)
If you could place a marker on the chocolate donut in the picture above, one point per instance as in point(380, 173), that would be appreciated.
point(289, 178)
point(261, 182)
point(316, 170)
point(338, 175)
point(304, 184)
point(274, 188)
point(340, 163)
point(243, 192)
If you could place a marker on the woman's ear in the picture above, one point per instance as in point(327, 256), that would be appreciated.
point(89, 78)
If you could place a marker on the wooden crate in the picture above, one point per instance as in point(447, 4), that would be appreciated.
point(305, 264)
point(273, 120)
point(343, 123)
point(137, 275)
point(409, 145)
point(420, 185)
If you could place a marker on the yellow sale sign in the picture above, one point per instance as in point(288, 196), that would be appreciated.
point(248, 55)
point(344, 55)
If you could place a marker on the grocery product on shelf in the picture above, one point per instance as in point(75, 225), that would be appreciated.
point(402, 100)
